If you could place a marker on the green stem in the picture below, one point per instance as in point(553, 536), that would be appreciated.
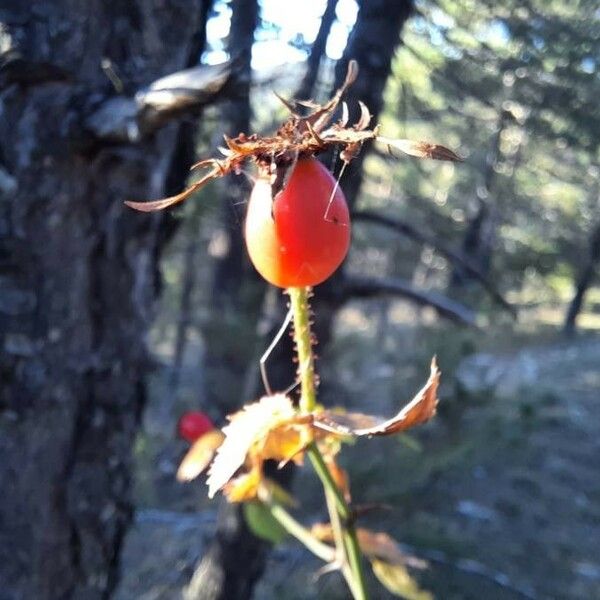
point(350, 549)
point(337, 531)
point(316, 458)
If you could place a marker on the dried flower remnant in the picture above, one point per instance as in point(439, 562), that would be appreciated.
point(303, 136)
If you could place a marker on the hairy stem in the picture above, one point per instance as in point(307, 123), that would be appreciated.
point(349, 550)
point(302, 337)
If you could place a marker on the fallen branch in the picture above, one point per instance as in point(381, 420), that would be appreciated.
point(367, 287)
point(454, 256)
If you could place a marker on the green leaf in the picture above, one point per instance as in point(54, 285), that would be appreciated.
point(262, 523)
point(397, 579)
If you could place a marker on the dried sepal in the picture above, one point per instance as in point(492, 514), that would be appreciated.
point(345, 116)
point(286, 103)
point(420, 149)
point(365, 117)
point(172, 200)
point(200, 455)
point(301, 136)
point(421, 408)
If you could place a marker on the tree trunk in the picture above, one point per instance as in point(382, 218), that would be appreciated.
point(373, 43)
point(78, 276)
point(306, 89)
point(229, 336)
point(183, 156)
point(583, 281)
point(184, 318)
point(480, 235)
point(236, 558)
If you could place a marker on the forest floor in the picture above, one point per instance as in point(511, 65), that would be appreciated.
point(501, 494)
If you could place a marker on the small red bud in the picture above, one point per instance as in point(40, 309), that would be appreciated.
point(193, 425)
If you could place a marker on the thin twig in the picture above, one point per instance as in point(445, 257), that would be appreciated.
point(301, 533)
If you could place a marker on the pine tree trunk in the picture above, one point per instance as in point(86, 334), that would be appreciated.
point(480, 235)
point(317, 51)
point(78, 277)
point(373, 42)
point(236, 558)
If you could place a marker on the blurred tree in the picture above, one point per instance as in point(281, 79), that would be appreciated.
point(81, 132)
point(235, 558)
point(584, 280)
point(372, 43)
point(317, 52)
point(515, 83)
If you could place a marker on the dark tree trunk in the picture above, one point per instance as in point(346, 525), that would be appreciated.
point(225, 360)
point(184, 318)
point(184, 156)
point(372, 44)
point(480, 236)
point(306, 89)
point(584, 280)
point(235, 559)
point(78, 276)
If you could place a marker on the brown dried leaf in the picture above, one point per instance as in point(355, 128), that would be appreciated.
point(263, 430)
point(421, 408)
point(381, 546)
point(421, 149)
point(340, 477)
point(172, 200)
point(199, 455)
point(374, 545)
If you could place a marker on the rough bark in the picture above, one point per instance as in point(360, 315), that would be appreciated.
point(78, 278)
